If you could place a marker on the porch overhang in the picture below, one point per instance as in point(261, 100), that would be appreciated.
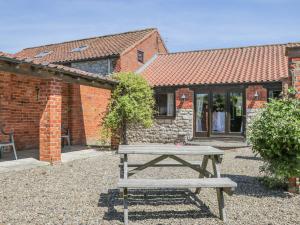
point(48, 70)
point(50, 94)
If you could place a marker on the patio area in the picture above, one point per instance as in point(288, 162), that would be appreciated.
point(84, 191)
point(28, 159)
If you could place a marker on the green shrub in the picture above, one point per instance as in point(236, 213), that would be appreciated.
point(132, 102)
point(275, 135)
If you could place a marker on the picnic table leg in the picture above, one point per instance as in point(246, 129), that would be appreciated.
point(121, 167)
point(203, 166)
point(125, 163)
point(216, 163)
point(125, 194)
point(221, 204)
point(125, 206)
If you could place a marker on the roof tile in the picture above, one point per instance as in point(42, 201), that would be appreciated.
point(220, 66)
point(98, 47)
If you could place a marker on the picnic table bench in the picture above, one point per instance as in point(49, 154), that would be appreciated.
point(206, 178)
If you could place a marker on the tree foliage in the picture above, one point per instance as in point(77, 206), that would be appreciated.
point(132, 102)
point(275, 135)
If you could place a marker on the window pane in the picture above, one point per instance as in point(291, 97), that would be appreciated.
point(165, 104)
point(140, 56)
point(201, 112)
point(274, 93)
point(170, 106)
point(218, 112)
point(236, 112)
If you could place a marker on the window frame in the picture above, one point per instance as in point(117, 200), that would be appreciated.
point(272, 90)
point(142, 54)
point(156, 115)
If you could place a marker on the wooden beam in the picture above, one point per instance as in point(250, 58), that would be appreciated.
point(44, 73)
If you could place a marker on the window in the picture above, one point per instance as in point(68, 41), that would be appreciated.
point(165, 104)
point(274, 94)
point(42, 54)
point(80, 48)
point(140, 56)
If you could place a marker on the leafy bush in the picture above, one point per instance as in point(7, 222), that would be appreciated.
point(132, 102)
point(274, 182)
point(275, 135)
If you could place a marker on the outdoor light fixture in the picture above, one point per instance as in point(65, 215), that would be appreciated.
point(256, 95)
point(37, 90)
point(183, 97)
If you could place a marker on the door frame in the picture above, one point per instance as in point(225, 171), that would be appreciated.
point(227, 91)
point(204, 133)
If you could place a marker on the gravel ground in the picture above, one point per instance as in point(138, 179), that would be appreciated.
point(84, 192)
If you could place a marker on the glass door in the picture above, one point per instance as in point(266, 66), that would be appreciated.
point(218, 113)
point(202, 114)
point(236, 112)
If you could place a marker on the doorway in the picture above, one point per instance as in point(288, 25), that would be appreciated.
point(219, 113)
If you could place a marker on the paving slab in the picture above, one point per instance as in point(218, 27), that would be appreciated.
point(83, 154)
point(21, 164)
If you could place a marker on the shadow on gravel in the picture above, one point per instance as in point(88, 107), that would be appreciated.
point(251, 186)
point(248, 157)
point(153, 198)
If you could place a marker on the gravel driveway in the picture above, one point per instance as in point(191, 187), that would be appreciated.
point(84, 192)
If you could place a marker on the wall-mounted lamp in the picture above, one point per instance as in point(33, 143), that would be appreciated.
point(37, 91)
point(183, 97)
point(256, 95)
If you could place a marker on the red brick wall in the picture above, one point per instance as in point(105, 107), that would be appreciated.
point(94, 102)
point(295, 66)
point(188, 103)
point(153, 44)
point(251, 101)
point(21, 108)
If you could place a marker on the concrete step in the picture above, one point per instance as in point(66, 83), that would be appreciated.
point(220, 142)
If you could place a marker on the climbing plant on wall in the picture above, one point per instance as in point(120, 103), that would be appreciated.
point(132, 102)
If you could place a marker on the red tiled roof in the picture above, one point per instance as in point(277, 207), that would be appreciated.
point(59, 68)
point(220, 66)
point(97, 47)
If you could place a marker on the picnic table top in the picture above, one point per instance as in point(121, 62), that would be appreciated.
point(168, 149)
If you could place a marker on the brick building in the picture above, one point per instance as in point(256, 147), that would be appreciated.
point(214, 93)
point(209, 93)
point(36, 93)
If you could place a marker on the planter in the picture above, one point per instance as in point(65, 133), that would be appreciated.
point(294, 185)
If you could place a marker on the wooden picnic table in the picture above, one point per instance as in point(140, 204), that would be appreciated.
point(206, 179)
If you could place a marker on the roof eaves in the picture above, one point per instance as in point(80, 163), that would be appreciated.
point(58, 68)
point(88, 58)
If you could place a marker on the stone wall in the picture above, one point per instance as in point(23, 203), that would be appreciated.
point(250, 113)
point(164, 130)
point(103, 66)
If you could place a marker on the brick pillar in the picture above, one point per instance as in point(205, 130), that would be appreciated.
point(5, 102)
point(50, 122)
point(293, 54)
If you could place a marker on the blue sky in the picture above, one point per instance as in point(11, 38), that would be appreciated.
point(184, 25)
